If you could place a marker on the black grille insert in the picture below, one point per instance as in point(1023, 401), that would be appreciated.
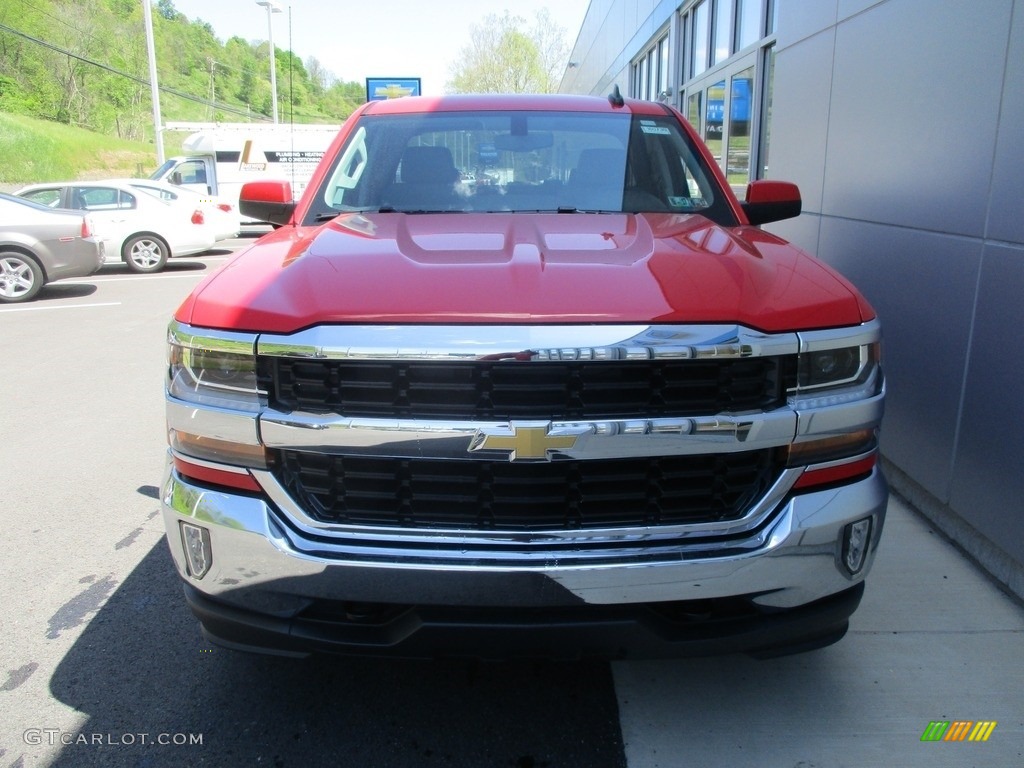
point(560, 495)
point(525, 390)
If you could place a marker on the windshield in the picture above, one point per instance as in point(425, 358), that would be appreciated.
point(563, 162)
point(164, 169)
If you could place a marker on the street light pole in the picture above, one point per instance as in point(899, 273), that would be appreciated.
point(154, 90)
point(272, 8)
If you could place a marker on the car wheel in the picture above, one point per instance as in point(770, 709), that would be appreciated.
point(20, 277)
point(145, 253)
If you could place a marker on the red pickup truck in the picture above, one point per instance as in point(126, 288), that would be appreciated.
point(520, 376)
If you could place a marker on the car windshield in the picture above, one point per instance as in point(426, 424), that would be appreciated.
point(489, 161)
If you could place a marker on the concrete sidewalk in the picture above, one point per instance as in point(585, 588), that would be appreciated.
point(934, 640)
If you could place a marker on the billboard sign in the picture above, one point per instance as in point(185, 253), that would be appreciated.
point(381, 88)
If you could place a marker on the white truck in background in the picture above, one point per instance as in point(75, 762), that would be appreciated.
point(218, 158)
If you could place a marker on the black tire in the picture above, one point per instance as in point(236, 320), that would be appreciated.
point(145, 253)
point(21, 278)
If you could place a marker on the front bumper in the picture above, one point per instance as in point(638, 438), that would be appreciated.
point(276, 587)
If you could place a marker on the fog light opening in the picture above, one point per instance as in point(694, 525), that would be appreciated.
point(195, 540)
point(856, 539)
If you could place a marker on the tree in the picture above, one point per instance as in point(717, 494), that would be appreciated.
point(504, 57)
point(167, 10)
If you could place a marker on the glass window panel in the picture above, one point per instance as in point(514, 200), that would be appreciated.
point(693, 110)
point(749, 23)
point(766, 115)
point(652, 75)
point(714, 116)
point(723, 30)
point(700, 40)
point(663, 67)
point(741, 92)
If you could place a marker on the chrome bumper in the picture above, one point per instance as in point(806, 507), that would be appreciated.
point(263, 562)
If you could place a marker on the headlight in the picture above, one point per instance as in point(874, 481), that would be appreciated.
point(830, 367)
point(837, 367)
point(213, 369)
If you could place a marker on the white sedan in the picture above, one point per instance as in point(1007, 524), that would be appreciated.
point(142, 229)
point(221, 216)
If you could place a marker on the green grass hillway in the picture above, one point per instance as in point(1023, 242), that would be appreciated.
point(34, 150)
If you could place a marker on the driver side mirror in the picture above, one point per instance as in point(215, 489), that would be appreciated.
point(269, 201)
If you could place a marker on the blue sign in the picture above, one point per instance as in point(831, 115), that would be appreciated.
point(382, 88)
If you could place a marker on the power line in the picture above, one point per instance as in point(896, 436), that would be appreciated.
point(134, 78)
point(144, 81)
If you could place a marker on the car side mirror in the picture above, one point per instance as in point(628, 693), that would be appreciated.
point(771, 201)
point(269, 201)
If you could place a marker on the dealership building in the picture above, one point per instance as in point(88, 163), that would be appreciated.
point(902, 122)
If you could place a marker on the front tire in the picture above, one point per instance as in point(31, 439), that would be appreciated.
point(145, 253)
point(20, 277)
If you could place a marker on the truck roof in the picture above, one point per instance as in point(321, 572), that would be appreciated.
point(534, 101)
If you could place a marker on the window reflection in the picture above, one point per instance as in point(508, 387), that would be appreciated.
point(723, 30)
point(699, 46)
point(693, 110)
point(737, 167)
point(714, 117)
point(748, 29)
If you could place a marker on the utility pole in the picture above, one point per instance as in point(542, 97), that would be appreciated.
point(154, 89)
point(213, 89)
point(272, 8)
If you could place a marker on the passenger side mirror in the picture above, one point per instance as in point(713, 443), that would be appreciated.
point(771, 201)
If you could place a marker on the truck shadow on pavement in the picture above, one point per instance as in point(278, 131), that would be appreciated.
point(142, 674)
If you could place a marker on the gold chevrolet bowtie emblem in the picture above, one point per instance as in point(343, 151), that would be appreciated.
point(392, 91)
point(526, 441)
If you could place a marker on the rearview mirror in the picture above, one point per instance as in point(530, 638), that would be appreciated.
point(523, 142)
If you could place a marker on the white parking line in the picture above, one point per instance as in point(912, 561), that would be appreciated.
point(136, 278)
point(4, 310)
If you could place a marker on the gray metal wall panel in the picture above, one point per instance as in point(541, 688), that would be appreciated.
point(848, 8)
point(803, 231)
point(988, 486)
point(799, 115)
point(914, 112)
point(1006, 220)
point(799, 19)
point(922, 285)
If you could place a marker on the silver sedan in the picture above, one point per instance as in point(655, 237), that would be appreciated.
point(38, 245)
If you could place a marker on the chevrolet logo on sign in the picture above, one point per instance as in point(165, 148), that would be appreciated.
point(526, 441)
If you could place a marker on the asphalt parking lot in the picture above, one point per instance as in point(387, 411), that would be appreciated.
point(102, 664)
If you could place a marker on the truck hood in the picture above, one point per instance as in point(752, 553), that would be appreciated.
point(525, 269)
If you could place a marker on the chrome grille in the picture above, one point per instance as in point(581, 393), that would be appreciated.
point(559, 495)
